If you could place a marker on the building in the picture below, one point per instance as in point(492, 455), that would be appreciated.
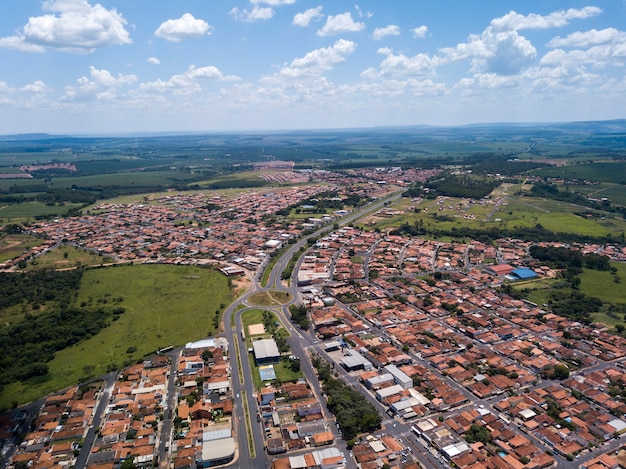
point(523, 274)
point(265, 351)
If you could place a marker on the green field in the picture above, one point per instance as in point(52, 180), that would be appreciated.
point(165, 305)
point(27, 211)
point(127, 179)
point(12, 245)
point(614, 172)
point(514, 211)
point(616, 193)
point(65, 257)
point(603, 284)
point(270, 298)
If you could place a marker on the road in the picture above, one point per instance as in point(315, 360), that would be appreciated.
point(103, 401)
point(299, 342)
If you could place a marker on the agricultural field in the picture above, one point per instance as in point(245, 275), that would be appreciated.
point(126, 179)
point(30, 211)
point(164, 305)
point(604, 171)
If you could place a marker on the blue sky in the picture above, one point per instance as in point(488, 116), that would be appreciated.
point(81, 66)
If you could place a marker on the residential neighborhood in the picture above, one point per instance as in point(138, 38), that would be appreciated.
point(430, 332)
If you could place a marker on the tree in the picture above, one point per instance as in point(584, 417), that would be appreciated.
point(561, 371)
point(128, 463)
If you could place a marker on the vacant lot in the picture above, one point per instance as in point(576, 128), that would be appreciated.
point(165, 305)
point(12, 245)
point(66, 257)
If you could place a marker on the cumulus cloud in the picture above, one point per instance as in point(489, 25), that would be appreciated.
point(320, 60)
point(401, 65)
point(338, 24)
point(185, 27)
point(36, 87)
point(514, 21)
point(100, 85)
point(590, 38)
point(250, 16)
point(390, 30)
point(72, 26)
point(420, 31)
point(504, 52)
point(501, 50)
point(153, 61)
point(304, 19)
point(188, 82)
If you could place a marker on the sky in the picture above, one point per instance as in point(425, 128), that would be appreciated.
point(134, 66)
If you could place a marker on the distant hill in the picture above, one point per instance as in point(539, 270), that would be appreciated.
point(503, 131)
point(27, 137)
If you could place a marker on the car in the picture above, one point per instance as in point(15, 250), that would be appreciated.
point(258, 417)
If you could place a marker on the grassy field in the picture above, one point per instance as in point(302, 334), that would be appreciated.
point(12, 245)
point(67, 257)
point(125, 179)
point(282, 369)
point(616, 193)
point(165, 305)
point(27, 211)
point(598, 171)
point(514, 211)
point(270, 298)
point(603, 284)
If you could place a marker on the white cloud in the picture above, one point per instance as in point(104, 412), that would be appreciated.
point(360, 13)
point(390, 30)
point(304, 19)
point(320, 60)
point(401, 65)
point(342, 23)
point(589, 38)
point(250, 16)
point(273, 3)
point(18, 43)
point(101, 85)
point(513, 21)
point(501, 52)
point(153, 61)
point(188, 82)
point(36, 87)
point(74, 26)
point(420, 31)
point(186, 26)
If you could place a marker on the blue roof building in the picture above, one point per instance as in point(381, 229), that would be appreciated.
point(523, 273)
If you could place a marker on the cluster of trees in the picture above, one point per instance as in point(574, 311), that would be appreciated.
point(299, 315)
point(353, 412)
point(563, 258)
point(461, 185)
point(27, 346)
point(478, 433)
point(506, 167)
point(38, 287)
point(574, 305)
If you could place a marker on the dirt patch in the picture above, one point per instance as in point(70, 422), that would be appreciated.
point(256, 329)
